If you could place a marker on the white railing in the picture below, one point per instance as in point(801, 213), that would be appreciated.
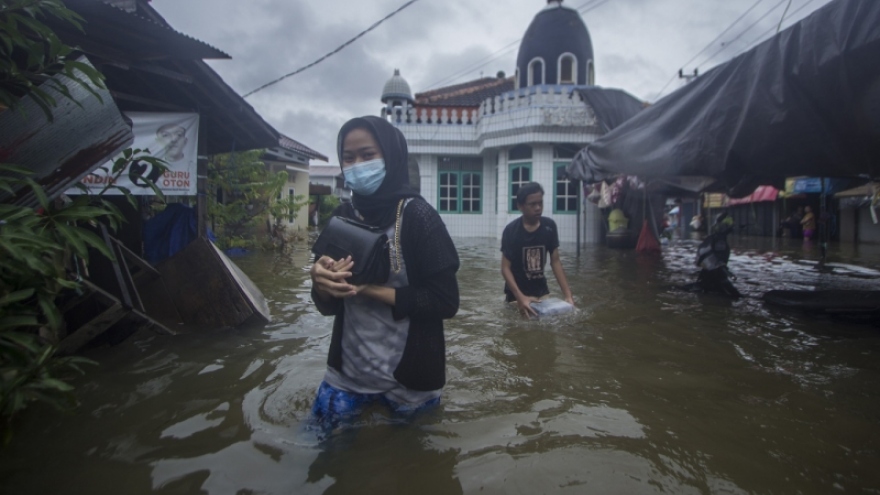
point(547, 96)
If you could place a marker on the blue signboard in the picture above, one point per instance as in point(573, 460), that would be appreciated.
point(814, 185)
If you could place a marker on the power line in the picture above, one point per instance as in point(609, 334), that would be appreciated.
point(783, 16)
point(590, 7)
point(761, 36)
point(352, 40)
point(740, 35)
point(708, 45)
point(482, 63)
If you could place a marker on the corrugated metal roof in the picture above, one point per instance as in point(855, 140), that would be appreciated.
point(135, 33)
point(468, 94)
point(84, 134)
point(149, 67)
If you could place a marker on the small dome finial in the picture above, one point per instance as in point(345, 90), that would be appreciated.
point(397, 89)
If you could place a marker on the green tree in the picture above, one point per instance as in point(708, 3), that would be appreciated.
point(325, 209)
point(247, 196)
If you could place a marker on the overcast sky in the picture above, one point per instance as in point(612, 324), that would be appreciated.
point(639, 46)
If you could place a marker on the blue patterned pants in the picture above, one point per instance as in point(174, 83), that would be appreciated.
point(334, 407)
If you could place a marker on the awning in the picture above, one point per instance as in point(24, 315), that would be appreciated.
point(867, 190)
point(761, 194)
point(819, 185)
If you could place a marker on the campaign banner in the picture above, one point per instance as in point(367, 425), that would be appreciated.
point(172, 137)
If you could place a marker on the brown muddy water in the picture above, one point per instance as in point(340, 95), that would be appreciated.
point(645, 390)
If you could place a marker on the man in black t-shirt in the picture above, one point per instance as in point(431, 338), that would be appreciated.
point(525, 245)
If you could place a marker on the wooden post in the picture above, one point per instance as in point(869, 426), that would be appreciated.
point(202, 179)
point(580, 205)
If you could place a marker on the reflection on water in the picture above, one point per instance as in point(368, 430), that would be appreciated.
point(644, 389)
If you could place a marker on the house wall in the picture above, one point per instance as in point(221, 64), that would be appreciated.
point(496, 213)
point(848, 219)
point(541, 118)
point(756, 219)
point(460, 224)
point(323, 181)
point(856, 225)
point(298, 182)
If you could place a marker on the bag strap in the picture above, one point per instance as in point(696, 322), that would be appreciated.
point(395, 259)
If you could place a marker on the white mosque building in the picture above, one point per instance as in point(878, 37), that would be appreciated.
point(472, 145)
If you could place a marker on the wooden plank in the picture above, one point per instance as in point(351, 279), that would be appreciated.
point(98, 325)
point(205, 291)
point(153, 325)
point(137, 261)
point(124, 287)
point(129, 281)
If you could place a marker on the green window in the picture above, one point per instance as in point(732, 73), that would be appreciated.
point(565, 199)
point(460, 185)
point(520, 175)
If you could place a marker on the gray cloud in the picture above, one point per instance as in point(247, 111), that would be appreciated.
point(639, 45)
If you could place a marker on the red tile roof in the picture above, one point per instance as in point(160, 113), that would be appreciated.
point(290, 144)
point(468, 94)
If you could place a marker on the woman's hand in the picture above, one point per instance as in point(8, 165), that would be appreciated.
point(328, 277)
point(381, 293)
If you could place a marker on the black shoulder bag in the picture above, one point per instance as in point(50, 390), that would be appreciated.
point(368, 247)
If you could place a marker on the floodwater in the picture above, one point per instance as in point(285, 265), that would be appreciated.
point(645, 390)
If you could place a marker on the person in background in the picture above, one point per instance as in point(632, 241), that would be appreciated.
point(697, 222)
point(387, 345)
point(809, 224)
point(792, 223)
point(526, 244)
point(712, 257)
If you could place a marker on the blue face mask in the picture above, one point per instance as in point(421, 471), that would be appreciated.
point(365, 178)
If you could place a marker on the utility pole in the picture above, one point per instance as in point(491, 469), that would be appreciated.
point(687, 77)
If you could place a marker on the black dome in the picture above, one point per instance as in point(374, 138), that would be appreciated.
point(554, 31)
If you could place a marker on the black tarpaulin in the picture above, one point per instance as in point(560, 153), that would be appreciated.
point(805, 102)
point(612, 107)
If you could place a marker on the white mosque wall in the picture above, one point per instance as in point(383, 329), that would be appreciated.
point(592, 233)
point(538, 116)
point(496, 213)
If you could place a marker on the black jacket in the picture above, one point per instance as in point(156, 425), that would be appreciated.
point(431, 296)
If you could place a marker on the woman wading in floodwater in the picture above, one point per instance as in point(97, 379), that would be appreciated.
point(387, 344)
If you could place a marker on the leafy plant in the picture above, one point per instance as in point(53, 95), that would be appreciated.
point(41, 248)
point(325, 209)
point(40, 252)
point(247, 195)
point(36, 247)
point(31, 54)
